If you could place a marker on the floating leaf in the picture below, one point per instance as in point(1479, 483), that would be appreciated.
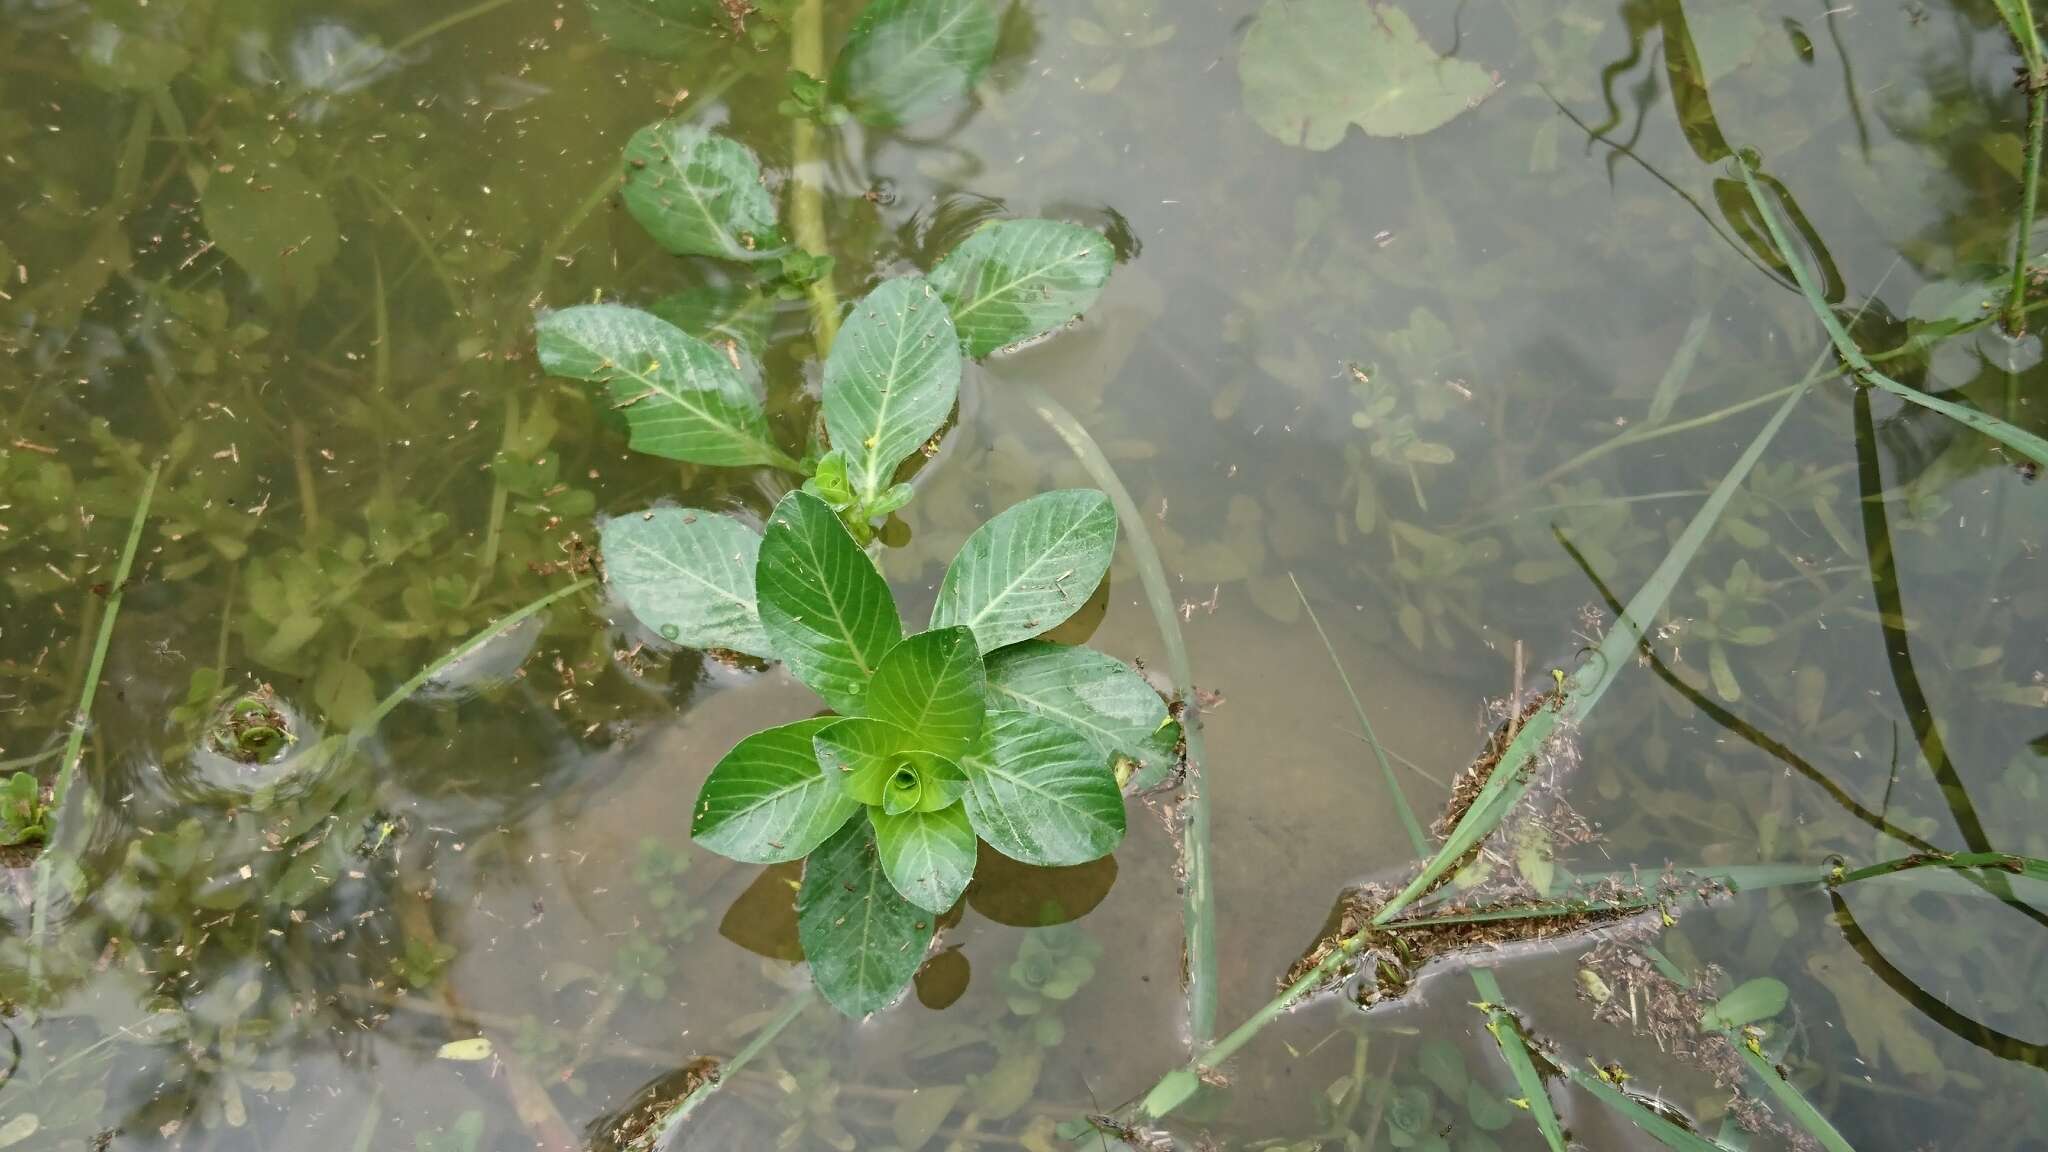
point(688, 575)
point(863, 940)
point(1751, 1001)
point(1040, 793)
point(699, 194)
point(276, 224)
point(890, 380)
point(768, 800)
point(933, 686)
point(473, 1049)
point(880, 765)
point(683, 399)
point(1100, 698)
point(906, 59)
point(1017, 279)
point(827, 612)
point(1312, 68)
point(929, 856)
point(1028, 568)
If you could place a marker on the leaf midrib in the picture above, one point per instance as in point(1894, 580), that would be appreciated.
point(990, 296)
point(988, 606)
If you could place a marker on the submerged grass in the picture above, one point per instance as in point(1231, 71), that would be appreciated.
point(2019, 20)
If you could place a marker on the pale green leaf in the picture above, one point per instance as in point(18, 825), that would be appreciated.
point(466, 1051)
point(1040, 793)
point(932, 685)
point(682, 398)
point(1312, 68)
point(907, 59)
point(698, 193)
point(1017, 279)
point(890, 380)
point(863, 940)
point(1102, 699)
point(1749, 1002)
point(1028, 568)
point(827, 611)
point(769, 800)
point(667, 29)
point(880, 765)
point(928, 856)
point(688, 575)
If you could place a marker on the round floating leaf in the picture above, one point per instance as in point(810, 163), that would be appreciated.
point(932, 686)
point(688, 575)
point(1312, 68)
point(1040, 793)
point(1029, 568)
point(768, 800)
point(1751, 1001)
point(275, 223)
point(875, 763)
point(864, 941)
point(827, 612)
point(1101, 699)
point(683, 399)
point(699, 194)
point(1018, 279)
point(928, 856)
point(906, 59)
point(890, 380)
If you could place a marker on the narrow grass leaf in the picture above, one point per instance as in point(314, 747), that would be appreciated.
point(1664, 1131)
point(1401, 806)
point(1514, 1050)
point(1790, 1098)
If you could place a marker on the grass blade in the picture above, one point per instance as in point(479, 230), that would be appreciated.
point(2018, 439)
point(1198, 912)
point(661, 1134)
point(1408, 820)
point(1507, 1032)
point(1666, 1133)
point(1794, 1102)
point(74, 745)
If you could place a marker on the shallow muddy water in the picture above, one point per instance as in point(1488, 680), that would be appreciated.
point(1447, 334)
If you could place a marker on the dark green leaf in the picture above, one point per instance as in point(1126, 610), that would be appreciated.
point(688, 575)
point(1017, 279)
point(1040, 793)
point(828, 613)
point(768, 800)
point(1102, 699)
point(928, 856)
point(932, 686)
point(1312, 68)
point(683, 399)
point(699, 194)
point(890, 381)
point(1029, 568)
point(906, 59)
point(113, 57)
point(863, 940)
point(881, 765)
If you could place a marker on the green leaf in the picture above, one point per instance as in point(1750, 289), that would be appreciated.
point(1101, 699)
point(1750, 1001)
point(1312, 68)
point(768, 800)
point(928, 856)
point(688, 575)
point(665, 29)
point(880, 765)
point(932, 686)
point(1018, 279)
point(718, 312)
point(1040, 793)
point(275, 223)
point(699, 194)
point(683, 399)
point(113, 57)
point(827, 611)
point(890, 380)
point(1029, 568)
point(863, 940)
point(906, 59)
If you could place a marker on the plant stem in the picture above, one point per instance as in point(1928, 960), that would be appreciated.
point(806, 198)
point(2002, 861)
point(67, 769)
point(2037, 113)
point(1198, 906)
point(791, 1009)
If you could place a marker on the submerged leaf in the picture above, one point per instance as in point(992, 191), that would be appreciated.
point(1017, 279)
point(470, 1050)
point(667, 29)
point(827, 611)
point(768, 800)
point(276, 224)
point(688, 575)
point(863, 940)
point(1040, 793)
point(890, 381)
point(683, 399)
point(698, 193)
point(1028, 568)
point(1751, 1001)
point(906, 59)
point(1312, 68)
